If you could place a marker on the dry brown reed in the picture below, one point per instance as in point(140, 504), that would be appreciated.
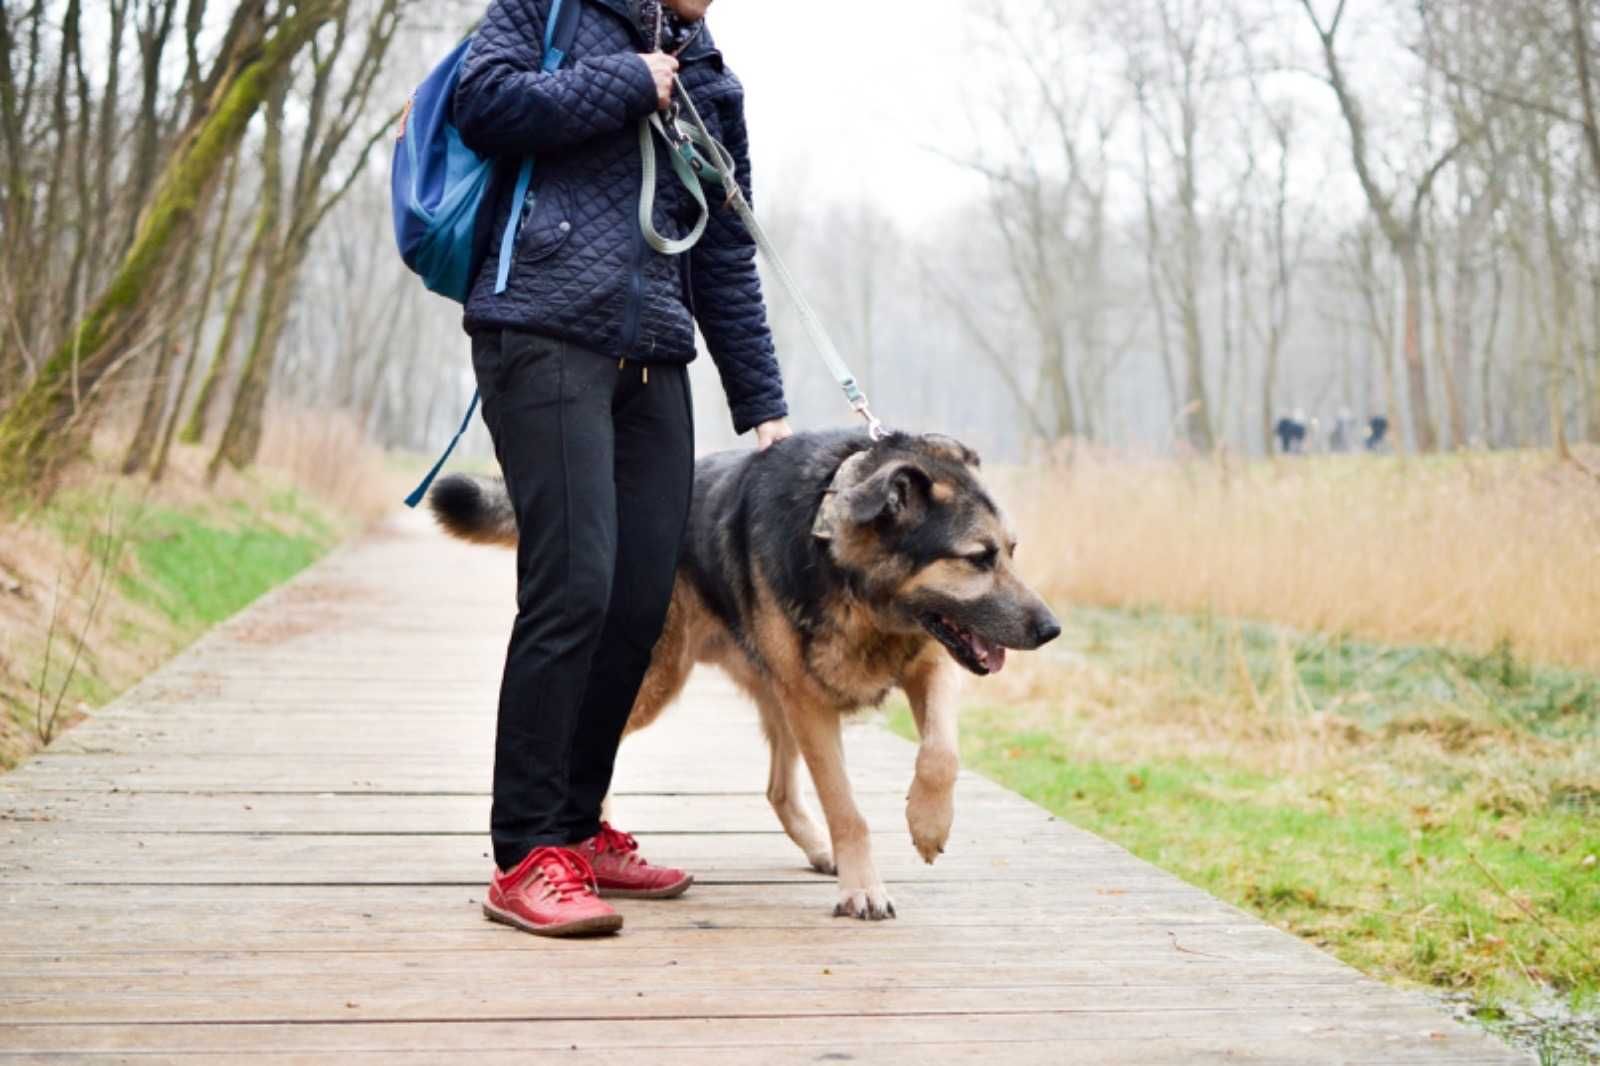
point(1473, 550)
point(326, 453)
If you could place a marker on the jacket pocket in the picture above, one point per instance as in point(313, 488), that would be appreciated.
point(548, 225)
point(529, 373)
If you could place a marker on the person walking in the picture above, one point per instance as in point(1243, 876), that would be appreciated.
point(580, 356)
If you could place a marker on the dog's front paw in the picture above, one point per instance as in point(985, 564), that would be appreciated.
point(822, 862)
point(869, 904)
point(929, 813)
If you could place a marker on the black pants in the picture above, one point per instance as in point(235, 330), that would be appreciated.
point(598, 458)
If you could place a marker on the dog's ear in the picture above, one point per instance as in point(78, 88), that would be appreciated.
point(891, 492)
point(832, 514)
point(946, 447)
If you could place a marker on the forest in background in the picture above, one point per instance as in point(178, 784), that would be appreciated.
point(1200, 216)
point(1355, 695)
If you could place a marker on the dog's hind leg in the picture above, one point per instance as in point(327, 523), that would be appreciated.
point(861, 891)
point(670, 663)
point(783, 788)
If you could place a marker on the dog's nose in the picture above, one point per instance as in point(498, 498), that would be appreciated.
point(1045, 630)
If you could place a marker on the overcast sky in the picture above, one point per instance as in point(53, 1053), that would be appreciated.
point(843, 94)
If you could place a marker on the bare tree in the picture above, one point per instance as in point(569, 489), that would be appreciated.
point(1179, 55)
point(1048, 205)
point(334, 113)
point(44, 423)
point(1401, 225)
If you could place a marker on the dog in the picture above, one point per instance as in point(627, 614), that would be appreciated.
point(902, 576)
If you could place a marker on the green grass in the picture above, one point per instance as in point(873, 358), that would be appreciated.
point(198, 564)
point(176, 570)
point(1426, 815)
point(1374, 683)
point(198, 570)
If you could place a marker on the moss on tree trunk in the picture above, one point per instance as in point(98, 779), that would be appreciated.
point(43, 426)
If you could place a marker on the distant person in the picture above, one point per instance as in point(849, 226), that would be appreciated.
point(1377, 430)
point(1291, 433)
point(1342, 438)
point(581, 361)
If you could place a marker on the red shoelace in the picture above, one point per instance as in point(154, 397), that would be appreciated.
point(615, 840)
point(565, 872)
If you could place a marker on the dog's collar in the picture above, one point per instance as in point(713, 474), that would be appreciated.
point(827, 523)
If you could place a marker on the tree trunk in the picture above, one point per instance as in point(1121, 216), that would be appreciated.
point(1197, 403)
point(1581, 55)
point(154, 406)
point(107, 138)
point(1060, 390)
point(219, 241)
point(241, 435)
point(1594, 363)
point(1514, 418)
point(1197, 406)
point(1416, 369)
point(1486, 367)
point(1158, 303)
point(1269, 389)
point(151, 416)
point(1466, 300)
point(40, 429)
point(1454, 409)
point(1556, 370)
point(194, 430)
point(1224, 383)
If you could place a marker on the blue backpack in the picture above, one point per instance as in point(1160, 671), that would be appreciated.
point(441, 192)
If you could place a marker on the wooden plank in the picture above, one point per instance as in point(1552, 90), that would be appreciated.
point(1196, 1036)
point(543, 992)
point(141, 812)
point(273, 850)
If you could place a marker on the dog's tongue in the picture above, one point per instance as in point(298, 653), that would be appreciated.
point(992, 656)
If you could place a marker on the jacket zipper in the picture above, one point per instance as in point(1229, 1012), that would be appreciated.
point(632, 313)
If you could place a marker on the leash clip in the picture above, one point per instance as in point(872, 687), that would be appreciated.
point(858, 403)
point(876, 430)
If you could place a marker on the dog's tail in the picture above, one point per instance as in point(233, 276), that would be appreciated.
point(475, 509)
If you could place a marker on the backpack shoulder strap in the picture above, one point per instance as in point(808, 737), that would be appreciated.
point(559, 33)
point(560, 30)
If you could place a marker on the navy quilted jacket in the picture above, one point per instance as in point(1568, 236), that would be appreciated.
point(582, 270)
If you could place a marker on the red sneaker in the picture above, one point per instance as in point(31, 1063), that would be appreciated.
point(551, 893)
point(619, 869)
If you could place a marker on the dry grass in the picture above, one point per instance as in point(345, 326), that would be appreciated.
point(326, 454)
point(1134, 688)
point(1398, 761)
point(318, 481)
point(1427, 815)
point(1477, 551)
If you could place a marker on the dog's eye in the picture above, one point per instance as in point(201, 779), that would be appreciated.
point(985, 559)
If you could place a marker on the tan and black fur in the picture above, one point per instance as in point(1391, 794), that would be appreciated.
point(820, 574)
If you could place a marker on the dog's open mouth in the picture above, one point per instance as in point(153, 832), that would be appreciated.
point(966, 647)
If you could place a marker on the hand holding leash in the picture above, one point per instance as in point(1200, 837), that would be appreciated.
point(664, 72)
point(770, 433)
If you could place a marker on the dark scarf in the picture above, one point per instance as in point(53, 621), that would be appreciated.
point(675, 31)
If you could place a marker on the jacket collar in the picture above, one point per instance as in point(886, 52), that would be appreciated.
point(699, 48)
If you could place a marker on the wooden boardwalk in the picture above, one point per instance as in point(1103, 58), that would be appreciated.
point(274, 850)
